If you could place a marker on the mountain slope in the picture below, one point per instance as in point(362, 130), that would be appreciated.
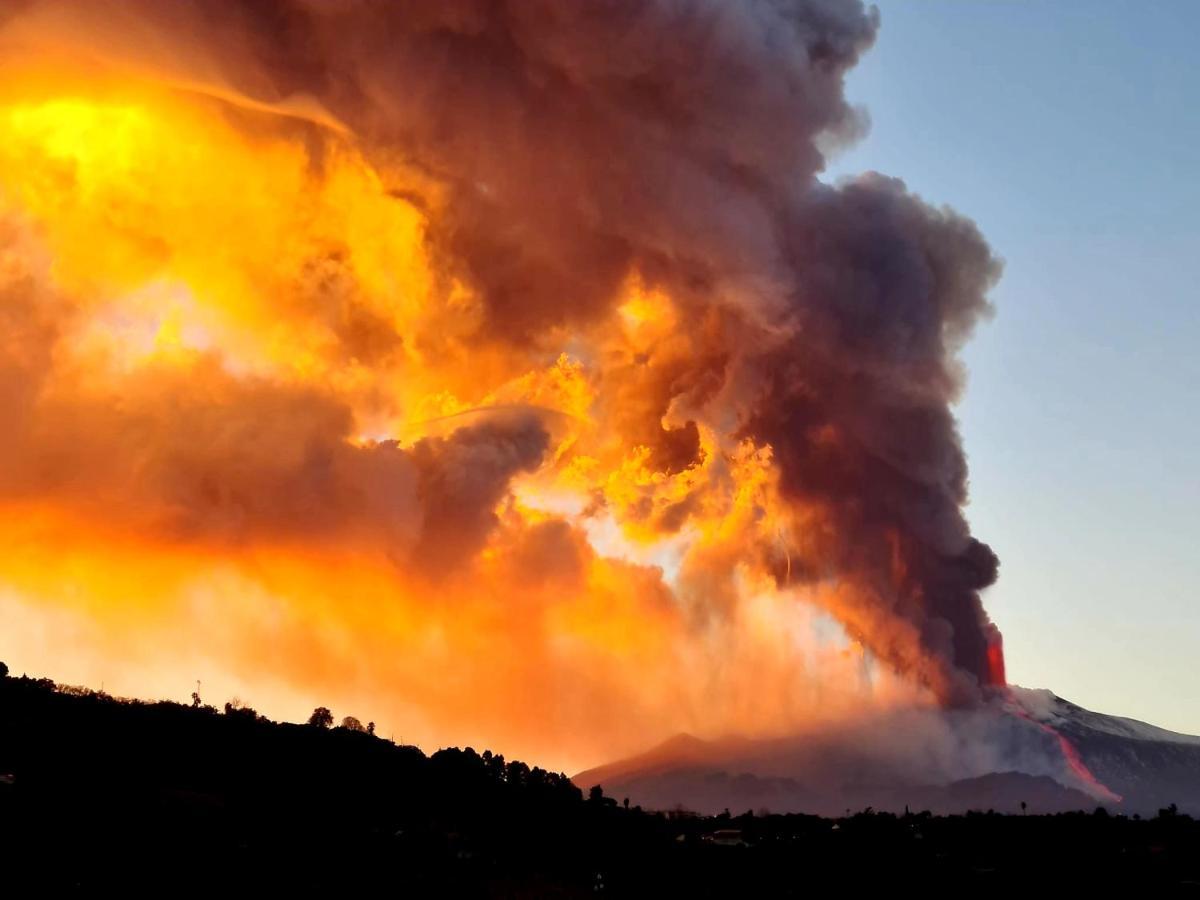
point(1008, 753)
point(1150, 767)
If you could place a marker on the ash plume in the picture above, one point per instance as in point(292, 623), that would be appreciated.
point(610, 210)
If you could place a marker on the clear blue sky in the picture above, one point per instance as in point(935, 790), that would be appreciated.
point(1070, 131)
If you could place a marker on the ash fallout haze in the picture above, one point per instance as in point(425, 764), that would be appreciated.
point(511, 373)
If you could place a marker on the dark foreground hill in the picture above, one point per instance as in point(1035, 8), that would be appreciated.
point(99, 795)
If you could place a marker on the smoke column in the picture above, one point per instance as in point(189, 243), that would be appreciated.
point(505, 358)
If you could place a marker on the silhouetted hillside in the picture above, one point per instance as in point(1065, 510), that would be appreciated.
point(100, 795)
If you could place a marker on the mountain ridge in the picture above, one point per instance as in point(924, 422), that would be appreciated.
point(1010, 752)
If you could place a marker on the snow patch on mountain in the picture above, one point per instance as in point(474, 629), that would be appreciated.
point(1046, 706)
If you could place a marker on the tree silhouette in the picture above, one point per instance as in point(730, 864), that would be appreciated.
point(3, 670)
point(235, 707)
point(595, 795)
point(352, 724)
point(321, 717)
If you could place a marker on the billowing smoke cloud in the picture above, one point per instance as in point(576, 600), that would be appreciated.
point(198, 452)
point(856, 406)
point(463, 477)
point(598, 225)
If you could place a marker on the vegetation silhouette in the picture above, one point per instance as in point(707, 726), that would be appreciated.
point(102, 794)
point(321, 717)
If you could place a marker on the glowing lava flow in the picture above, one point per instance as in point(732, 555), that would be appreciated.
point(1070, 754)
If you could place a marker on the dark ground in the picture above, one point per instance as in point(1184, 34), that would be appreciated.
point(99, 794)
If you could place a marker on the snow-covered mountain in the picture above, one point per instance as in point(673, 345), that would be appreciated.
point(1026, 746)
point(1149, 767)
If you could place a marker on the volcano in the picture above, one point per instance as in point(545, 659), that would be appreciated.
point(1025, 750)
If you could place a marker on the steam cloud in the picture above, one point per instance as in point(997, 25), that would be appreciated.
point(787, 341)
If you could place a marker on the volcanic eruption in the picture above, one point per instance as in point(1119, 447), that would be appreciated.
point(507, 365)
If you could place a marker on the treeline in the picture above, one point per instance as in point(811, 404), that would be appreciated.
point(99, 794)
point(97, 790)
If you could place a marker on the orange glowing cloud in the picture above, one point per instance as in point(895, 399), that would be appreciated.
point(426, 364)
